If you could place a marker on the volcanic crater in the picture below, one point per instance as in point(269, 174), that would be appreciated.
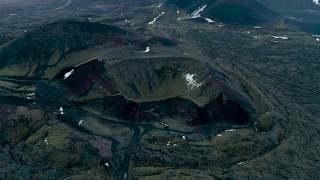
point(149, 89)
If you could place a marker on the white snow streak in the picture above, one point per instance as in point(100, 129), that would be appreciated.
point(30, 95)
point(281, 37)
point(147, 49)
point(317, 2)
point(209, 20)
point(61, 110)
point(80, 122)
point(160, 5)
point(197, 12)
point(68, 74)
point(230, 130)
point(191, 81)
point(46, 140)
point(156, 18)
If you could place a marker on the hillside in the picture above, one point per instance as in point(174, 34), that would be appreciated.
point(49, 44)
point(239, 12)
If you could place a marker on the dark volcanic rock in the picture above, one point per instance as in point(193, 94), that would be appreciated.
point(84, 76)
point(176, 108)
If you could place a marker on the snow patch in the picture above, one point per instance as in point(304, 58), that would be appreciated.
point(281, 37)
point(196, 13)
point(61, 110)
point(191, 81)
point(147, 49)
point(230, 130)
point(68, 74)
point(164, 124)
point(317, 2)
point(209, 20)
point(80, 122)
point(160, 5)
point(46, 140)
point(30, 95)
point(156, 18)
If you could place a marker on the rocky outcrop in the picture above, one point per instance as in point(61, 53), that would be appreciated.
point(176, 108)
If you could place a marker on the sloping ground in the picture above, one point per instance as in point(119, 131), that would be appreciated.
point(302, 14)
point(288, 78)
point(303, 25)
point(149, 79)
point(293, 5)
point(148, 89)
point(240, 12)
point(283, 142)
point(49, 44)
point(33, 146)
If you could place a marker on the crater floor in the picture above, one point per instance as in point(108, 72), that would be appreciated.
point(105, 94)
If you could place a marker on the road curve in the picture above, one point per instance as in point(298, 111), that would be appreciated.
point(135, 126)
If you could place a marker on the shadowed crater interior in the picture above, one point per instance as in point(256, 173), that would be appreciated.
point(146, 90)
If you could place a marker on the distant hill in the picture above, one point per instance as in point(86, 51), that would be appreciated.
point(289, 5)
point(303, 25)
point(302, 14)
point(240, 12)
point(57, 39)
point(48, 45)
